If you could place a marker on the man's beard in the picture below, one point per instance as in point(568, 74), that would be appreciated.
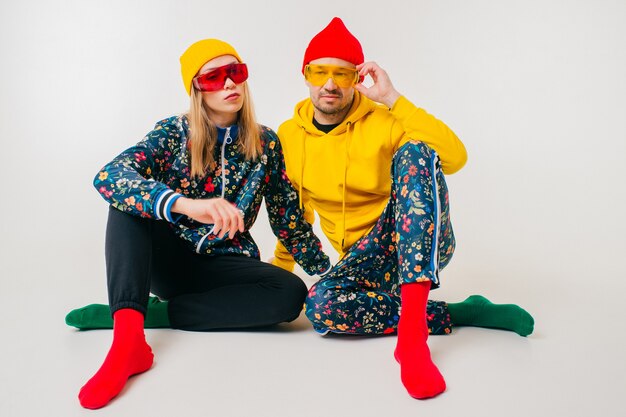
point(331, 110)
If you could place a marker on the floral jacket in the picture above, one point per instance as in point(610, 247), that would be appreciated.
point(147, 178)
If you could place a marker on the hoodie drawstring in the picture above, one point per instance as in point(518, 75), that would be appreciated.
point(345, 178)
point(303, 140)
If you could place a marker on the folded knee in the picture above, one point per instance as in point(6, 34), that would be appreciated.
point(415, 152)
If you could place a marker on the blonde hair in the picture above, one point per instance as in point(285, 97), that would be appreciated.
point(203, 132)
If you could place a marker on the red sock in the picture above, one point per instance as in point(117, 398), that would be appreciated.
point(420, 376)
point(129, 355)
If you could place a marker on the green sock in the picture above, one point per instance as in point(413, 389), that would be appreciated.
point(98, 316)
point(478, 311)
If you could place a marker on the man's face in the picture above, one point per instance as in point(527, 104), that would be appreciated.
point(331, 101)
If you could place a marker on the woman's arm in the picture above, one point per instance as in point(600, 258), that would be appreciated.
point(130, 182)
point(287, 219)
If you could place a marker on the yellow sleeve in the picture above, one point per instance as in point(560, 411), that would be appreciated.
point(282, 258)
point(417, 124)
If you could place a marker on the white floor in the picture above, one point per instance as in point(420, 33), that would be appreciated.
point(572, 365)
point(535, 89)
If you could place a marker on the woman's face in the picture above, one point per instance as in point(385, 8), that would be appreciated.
point(223, 104)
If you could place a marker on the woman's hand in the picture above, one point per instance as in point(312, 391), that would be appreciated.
point(222, 214)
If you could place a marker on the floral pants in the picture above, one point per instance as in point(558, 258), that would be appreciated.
point(411, 241)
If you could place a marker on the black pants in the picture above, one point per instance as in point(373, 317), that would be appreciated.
point(204, 292)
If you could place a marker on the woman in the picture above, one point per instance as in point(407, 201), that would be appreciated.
point(182, 203)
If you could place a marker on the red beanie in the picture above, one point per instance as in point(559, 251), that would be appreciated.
point(334, 41)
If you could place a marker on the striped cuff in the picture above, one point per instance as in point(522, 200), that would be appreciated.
point(163, 205)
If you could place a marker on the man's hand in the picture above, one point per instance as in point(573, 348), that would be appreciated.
point(222, 214)
point(382, 91)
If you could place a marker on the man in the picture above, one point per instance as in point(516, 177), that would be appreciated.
point(392, 232)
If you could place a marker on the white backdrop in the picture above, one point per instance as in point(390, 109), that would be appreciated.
point(536, 90)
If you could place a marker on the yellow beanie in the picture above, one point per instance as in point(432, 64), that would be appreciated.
point(199, 54)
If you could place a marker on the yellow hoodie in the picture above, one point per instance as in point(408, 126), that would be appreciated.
point(357, 153)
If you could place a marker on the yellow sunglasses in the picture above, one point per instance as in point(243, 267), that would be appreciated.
point(318, 75)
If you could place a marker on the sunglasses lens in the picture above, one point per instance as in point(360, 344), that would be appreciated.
point(215, 80)
point(211, 81)
point(238, 73)
point(318, 75)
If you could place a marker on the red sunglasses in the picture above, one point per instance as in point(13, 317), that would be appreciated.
point(214, 80)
